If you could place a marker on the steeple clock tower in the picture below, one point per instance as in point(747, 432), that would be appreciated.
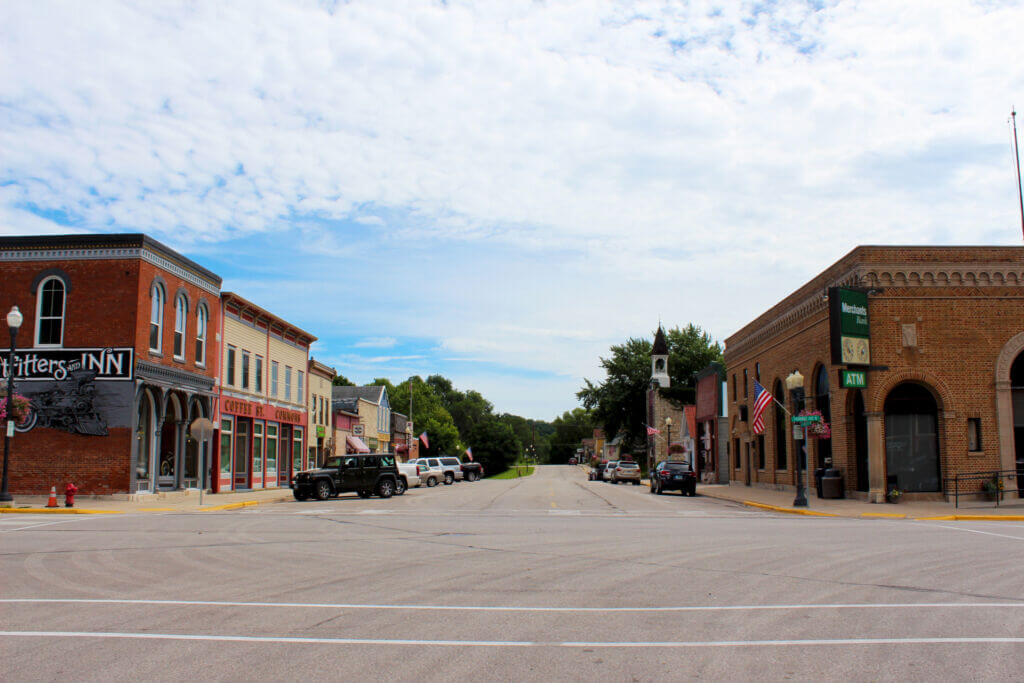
point(659, 360)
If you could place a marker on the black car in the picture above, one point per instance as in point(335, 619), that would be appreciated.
point(674, 476)
point(597, 471)
point(364, 474)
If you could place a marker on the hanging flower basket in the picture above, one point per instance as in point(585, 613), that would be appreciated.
point(20, 409)
point(820, 429)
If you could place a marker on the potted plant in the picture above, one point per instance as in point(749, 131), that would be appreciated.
point(819, 429)
point(893, 495)
point(20, 409)
point(992, 487)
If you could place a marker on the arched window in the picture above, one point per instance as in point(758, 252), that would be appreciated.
point(50, 312)
point(156, 317)
point(780, 430)
point(823, 404)
point(180, 312)
point(201, 319)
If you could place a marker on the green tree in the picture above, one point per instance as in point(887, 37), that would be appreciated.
point(568, 431)
point(342, 381)
point(494, 445)
point(619, 402)
point(429, 415)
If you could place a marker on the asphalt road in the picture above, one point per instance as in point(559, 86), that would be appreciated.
point(545, 577)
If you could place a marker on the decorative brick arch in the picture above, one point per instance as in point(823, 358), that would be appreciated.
point(875, 401)
point(1007, 355)
point(1004, 400)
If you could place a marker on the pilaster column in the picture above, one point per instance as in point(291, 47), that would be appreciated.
point(876, 457)
point(179, 454)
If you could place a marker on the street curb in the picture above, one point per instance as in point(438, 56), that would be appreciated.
point(58, 511)
point(977, 518)
point(791, 511)
point(230, 506)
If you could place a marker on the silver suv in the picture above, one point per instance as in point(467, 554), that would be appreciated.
point(451, 467)
point(626, 470)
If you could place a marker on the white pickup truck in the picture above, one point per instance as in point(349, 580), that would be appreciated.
point(408, 477)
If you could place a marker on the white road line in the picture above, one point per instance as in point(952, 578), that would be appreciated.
point(516, 643)
point(509, 608)
point(976, 531)
point(35, 525)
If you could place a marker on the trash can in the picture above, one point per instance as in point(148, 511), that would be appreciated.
point(832, 484)
point(818, 474)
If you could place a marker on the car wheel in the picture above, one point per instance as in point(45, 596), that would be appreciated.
point(449, 478)
point(299, 495)
point(385, 488)
point(470, 476)
point(400, 487)
point(323, 489)
point(431, 482)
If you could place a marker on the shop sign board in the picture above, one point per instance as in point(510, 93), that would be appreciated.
point(854, 379)
point(358, 430)
point(850, 329)
point(798, 432)
point(321, 431)
point(105, 364)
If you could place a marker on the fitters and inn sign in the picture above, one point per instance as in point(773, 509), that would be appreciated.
point(109, 364)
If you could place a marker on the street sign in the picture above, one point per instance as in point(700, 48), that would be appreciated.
point(805, 419)
point(854, 379)
point(798, 432)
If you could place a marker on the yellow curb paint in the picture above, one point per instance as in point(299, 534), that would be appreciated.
point(989, 518)
point(791, 511)
point(893, 515)
point(58, 511)
point(944, 518)
point(229, 506)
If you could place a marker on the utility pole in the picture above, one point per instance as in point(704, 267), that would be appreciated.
point(1016, 156)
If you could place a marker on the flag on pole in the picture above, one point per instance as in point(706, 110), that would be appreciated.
point(651, 431)
point(469, 453)
point(423, 438)
point(762, 397)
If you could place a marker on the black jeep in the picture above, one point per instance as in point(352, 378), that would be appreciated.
point(364, 474)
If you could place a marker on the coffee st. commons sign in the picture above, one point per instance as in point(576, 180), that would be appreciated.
point(108, 364)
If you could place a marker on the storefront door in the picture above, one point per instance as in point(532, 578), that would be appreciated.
point(241, 475)
point(285, 457)
point(911, 439)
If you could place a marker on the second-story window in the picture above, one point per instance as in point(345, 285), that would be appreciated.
point(299, 391)
point(180, 311)
point(50, 315)
point(156, 317)
point(259, 374)
point(201, 320)
point(273, 378)
point(245, 369)
point(287, 383)
point(230, 379)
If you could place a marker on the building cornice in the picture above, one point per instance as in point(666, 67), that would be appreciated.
point(173, 378)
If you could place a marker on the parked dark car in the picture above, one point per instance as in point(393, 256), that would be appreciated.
point(597, 472)
point(364, 474)
point(674, 476)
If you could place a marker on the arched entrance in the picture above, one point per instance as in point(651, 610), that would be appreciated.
point(1017, 392)
point(144, 438)
point(823, 403)
point(911, 439)
point(167, 462)
point(860, 441)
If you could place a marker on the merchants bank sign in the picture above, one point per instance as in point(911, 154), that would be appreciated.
point(108, 364)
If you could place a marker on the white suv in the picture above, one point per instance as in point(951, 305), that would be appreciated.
point(451, 467)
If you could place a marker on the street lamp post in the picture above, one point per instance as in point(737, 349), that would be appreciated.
point(795, 384)
point(668, 437)
point(14, 320)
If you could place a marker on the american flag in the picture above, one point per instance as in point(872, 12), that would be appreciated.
point(762, 397)
point(651, 431)
point(423, 438)
point(469, 452)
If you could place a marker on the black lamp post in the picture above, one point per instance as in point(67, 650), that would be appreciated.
point(14, 320)
point(795, 384)
point(668, 437)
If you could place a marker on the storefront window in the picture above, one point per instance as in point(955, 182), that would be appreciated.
point(257, 450)
point(225, 446)
point(271, 447)
point(296, 449)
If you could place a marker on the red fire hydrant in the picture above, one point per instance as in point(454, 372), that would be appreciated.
point(69, 495)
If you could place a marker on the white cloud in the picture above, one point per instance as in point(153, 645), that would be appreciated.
point(376, 342)
point(562, 174)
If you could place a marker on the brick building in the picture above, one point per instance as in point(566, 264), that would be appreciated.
point(911, 354)
point(321, 440)
point(262, 413)
point(118, 353)
point(675, 423)
point(709, 413)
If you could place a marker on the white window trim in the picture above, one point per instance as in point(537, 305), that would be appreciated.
point(39, 310)
point(202, 323)
point(156, 293)
point(180, 318)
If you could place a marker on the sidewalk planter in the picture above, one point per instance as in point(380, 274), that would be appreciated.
point(893, 496)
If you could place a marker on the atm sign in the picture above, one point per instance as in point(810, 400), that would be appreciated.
point(854, 379)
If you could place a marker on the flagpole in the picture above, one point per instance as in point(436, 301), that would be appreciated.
point(1016, 154)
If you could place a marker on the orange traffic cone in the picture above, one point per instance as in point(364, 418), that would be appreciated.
point(52, 503)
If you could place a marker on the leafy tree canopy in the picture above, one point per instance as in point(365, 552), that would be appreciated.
point(428, 415)
point(619, 402)
point(567, 433)
point(494, 445)
point(342, 381)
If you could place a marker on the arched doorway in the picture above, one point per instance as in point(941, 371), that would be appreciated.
point(823, 404)
point(860, 441)
point(911, 439)
point(167, 462)
point(144, 436)
point(1017, 391)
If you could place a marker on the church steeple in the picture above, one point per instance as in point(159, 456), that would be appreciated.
point(659, 360)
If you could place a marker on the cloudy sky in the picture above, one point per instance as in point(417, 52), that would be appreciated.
point(499, 191)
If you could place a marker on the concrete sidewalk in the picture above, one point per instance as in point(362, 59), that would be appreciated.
point(174, 501)
point(782, 501)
